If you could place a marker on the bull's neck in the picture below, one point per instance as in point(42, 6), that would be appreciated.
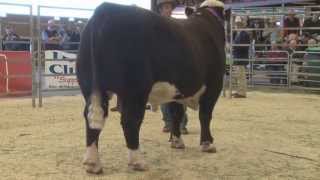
point(214, 13)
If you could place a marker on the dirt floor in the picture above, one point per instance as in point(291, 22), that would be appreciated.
point(269, 135)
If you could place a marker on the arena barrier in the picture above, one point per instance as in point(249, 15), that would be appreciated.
point(304, 72)
point(15, 73)
point(56, 70)
point(292, 71)
point(18, 77)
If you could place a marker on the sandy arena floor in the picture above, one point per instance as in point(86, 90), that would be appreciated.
point(266, 136)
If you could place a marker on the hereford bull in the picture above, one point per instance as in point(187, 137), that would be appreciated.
point(143, 57)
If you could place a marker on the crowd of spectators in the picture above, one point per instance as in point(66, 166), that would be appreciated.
point(54, 37)
point(57, 37)
point(296, 34)
point(275, 41)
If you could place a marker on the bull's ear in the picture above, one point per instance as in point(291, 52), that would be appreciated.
point(188, 11)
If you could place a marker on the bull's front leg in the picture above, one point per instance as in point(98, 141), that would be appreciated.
point(132, 114)
point(176, 112)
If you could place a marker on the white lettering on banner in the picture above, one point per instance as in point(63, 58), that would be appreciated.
point(60, 68)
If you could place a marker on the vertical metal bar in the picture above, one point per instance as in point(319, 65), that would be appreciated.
point(39, 58)
point(289, 71)
point(226, 50)
point(288, 68)
point(1, 33)
point(33, 64)
point(231, 54)
point(6, 73)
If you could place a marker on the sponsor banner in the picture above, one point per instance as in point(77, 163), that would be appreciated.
point(60, 71)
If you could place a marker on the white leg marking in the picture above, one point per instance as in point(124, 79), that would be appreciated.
point(136, 161)
point(208, 147)
point(95, 113)
point(91, 160)
point(177, 143)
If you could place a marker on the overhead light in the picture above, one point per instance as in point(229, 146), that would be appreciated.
point(56, 18)
point(71, 19)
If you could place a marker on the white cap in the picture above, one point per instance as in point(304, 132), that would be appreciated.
point(212, 3)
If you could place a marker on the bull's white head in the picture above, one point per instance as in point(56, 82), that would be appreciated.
point(212, 3)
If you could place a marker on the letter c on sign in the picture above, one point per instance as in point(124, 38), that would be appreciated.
point(56, 69)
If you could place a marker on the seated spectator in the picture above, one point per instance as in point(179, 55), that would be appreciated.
point(312, 22)
point(276, 58)
point(312, 42)
point(71, 38)
point(272, 35)
point(291, 22)
point(292, 46)
point(51, 36)
point(8, 43)
point(294, 39)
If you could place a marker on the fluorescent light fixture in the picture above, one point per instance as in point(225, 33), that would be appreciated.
point(57, 18)
point(71, 19)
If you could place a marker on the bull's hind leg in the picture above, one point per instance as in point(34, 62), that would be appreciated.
point(132, 114)
point(176, 110)
point(95, 112)
point(207, 103)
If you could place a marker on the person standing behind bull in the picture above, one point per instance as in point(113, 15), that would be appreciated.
point(165, 8)
point(242, 54)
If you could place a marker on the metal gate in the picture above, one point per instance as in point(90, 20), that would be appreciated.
point(292, 71)
point(8, 77)
point(56, 67)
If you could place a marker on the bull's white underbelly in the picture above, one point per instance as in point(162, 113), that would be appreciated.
point(164, 92)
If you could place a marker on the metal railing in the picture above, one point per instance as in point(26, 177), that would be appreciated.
point(43, 75)
point(6, 74)
point(30, 42)
point(260, 72)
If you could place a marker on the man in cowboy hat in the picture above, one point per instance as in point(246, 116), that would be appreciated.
point(165, 8)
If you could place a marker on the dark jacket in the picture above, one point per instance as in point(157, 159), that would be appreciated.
point(241, 52)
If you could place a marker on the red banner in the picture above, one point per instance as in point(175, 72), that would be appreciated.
point(15, 72)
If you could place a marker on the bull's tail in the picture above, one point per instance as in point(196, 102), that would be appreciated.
point(93, 50)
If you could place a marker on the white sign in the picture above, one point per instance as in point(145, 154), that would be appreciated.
point(60, 74)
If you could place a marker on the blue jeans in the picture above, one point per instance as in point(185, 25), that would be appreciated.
point(167, 117)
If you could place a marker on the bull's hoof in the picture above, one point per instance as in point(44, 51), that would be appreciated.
point(177, 143)
point(136, 161)
point(208, 147)
point(93, 168)
point(138, 166)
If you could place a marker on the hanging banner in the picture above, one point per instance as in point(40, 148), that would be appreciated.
point(60, 73)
